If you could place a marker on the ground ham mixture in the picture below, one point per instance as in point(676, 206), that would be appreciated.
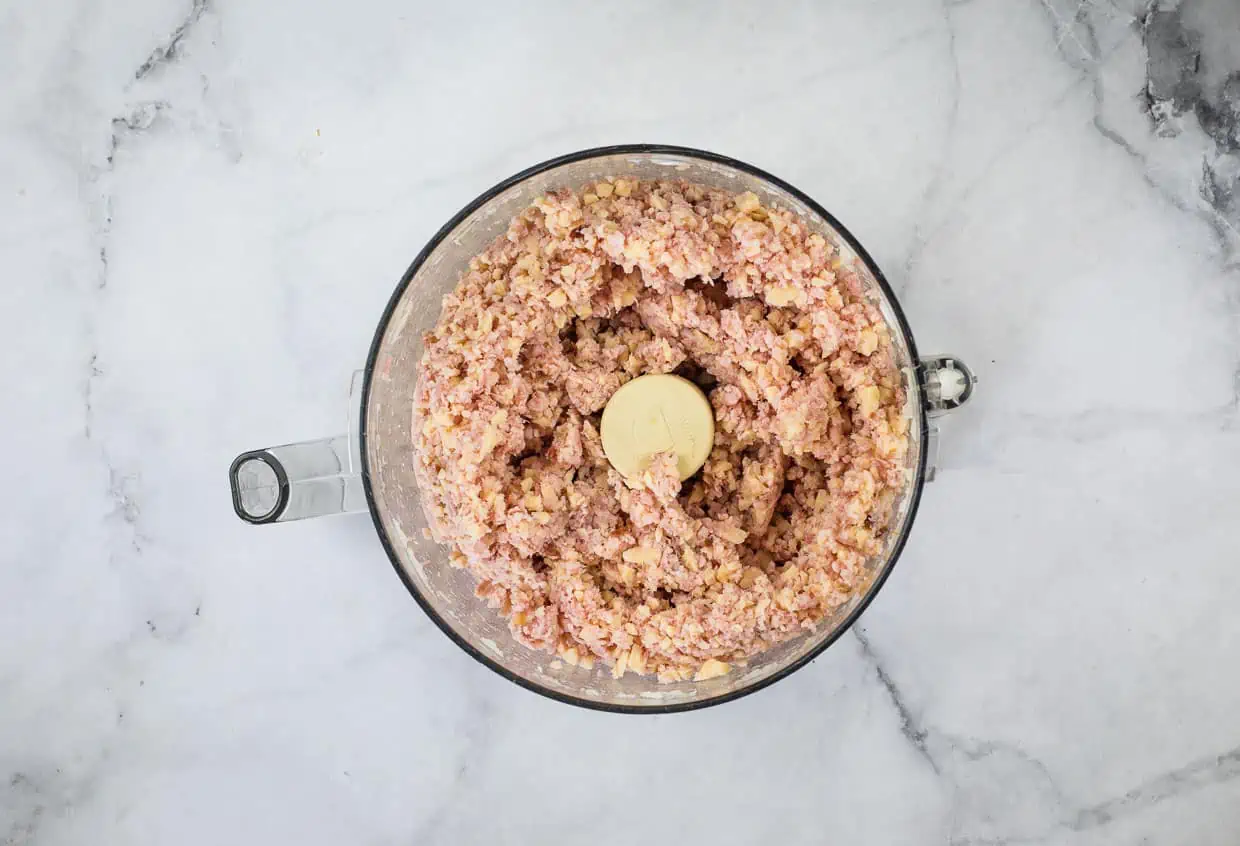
point(589, 290)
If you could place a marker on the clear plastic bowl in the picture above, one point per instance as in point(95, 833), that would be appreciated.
point(303, 480)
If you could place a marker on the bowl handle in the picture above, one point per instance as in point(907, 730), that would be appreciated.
point(307, 479)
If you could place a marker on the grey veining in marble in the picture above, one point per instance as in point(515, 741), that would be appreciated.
point(205, 205)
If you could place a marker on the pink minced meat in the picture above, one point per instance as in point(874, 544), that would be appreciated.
point(588, 290)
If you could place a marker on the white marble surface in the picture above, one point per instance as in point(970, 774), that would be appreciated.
point(203, 208)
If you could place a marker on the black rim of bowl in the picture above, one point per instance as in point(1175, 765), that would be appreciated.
point(484, 198)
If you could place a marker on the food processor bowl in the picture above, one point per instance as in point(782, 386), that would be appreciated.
point(372, 468)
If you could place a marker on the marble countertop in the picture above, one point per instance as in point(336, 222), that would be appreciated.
point(203, 209)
